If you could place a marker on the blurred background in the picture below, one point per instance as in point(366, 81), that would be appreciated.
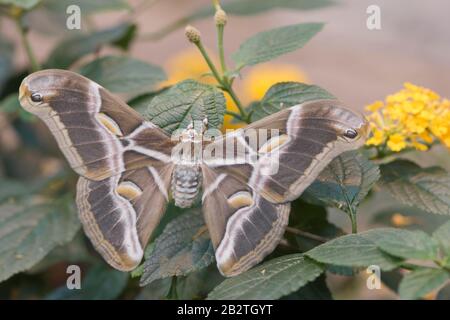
point(355, 64)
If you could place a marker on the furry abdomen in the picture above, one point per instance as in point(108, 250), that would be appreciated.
point(186, 184)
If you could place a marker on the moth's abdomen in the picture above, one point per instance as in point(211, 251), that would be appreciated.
point(186, 183)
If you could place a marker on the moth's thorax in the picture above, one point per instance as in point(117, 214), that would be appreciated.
point(186, 184)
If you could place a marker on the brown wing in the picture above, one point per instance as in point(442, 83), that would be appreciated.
point(244, 226)
point(99, 134)
point(272, 169)
point(124, 161)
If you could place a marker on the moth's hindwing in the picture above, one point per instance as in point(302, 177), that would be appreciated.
point(124, 161)
point(246, 209)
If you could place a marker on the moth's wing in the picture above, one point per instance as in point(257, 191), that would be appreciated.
point(124, 161)
point(300, 142)
point(120, 213)
point(248, 188)
point(244, 226)
point(99, 134)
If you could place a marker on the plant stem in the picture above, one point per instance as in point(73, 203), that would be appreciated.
point(29, 50)
point(211, 65)
point(220, 29)
point(223, 82)
point(352, 215)
point(235, 115)
point(306, 234)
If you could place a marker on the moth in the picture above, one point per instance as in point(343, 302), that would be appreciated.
point(128, 173)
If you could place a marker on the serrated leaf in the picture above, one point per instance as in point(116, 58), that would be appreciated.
point(287, 94)
point(271, 280)
point(123, 74)
point(344, 183)
point(355, 250)
point(268, 45)
point(28, 232)
point(197, 285)
point(315, 290)
point(71, 49)
point(426, 188)
point(75, 251)
point(101, 283)
point(183, 247)
point(409, 245)
point(24, 4)
point(188, 100)
point(157, 290)
point(141, 102)
point(442, 235)
point(419, 282)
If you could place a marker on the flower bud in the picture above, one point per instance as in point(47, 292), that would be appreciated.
point(192, 34)
point(220, 17)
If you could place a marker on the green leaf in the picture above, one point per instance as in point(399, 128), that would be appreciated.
point(141, 102)
point(123, 74)
point(271, 280)
point(87, 6)
point(426, 188)
point(344, 183)
point(287, 94)
point(12, 189)
point(10, 104)
point(442, 235)
point(101, 283)
point(409, 245)
point(71, 49)
point(356, 250)
point(197, 285)
point(268, 45)
point(28, 232)
point(188, 100)
point(315, 290)
point(419, 282)
point(183, 247)
point(74, 252)
point(157, 290)
point(24, 4)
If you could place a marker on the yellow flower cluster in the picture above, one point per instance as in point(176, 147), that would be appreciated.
point(189, 64)
point(414, 117)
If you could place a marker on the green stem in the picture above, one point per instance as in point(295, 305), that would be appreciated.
point(223, 82)
point(229, 89)
point(235, 115)
point(211, 65)
point(29, 50)
point(352, 215)
point(220, 29)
